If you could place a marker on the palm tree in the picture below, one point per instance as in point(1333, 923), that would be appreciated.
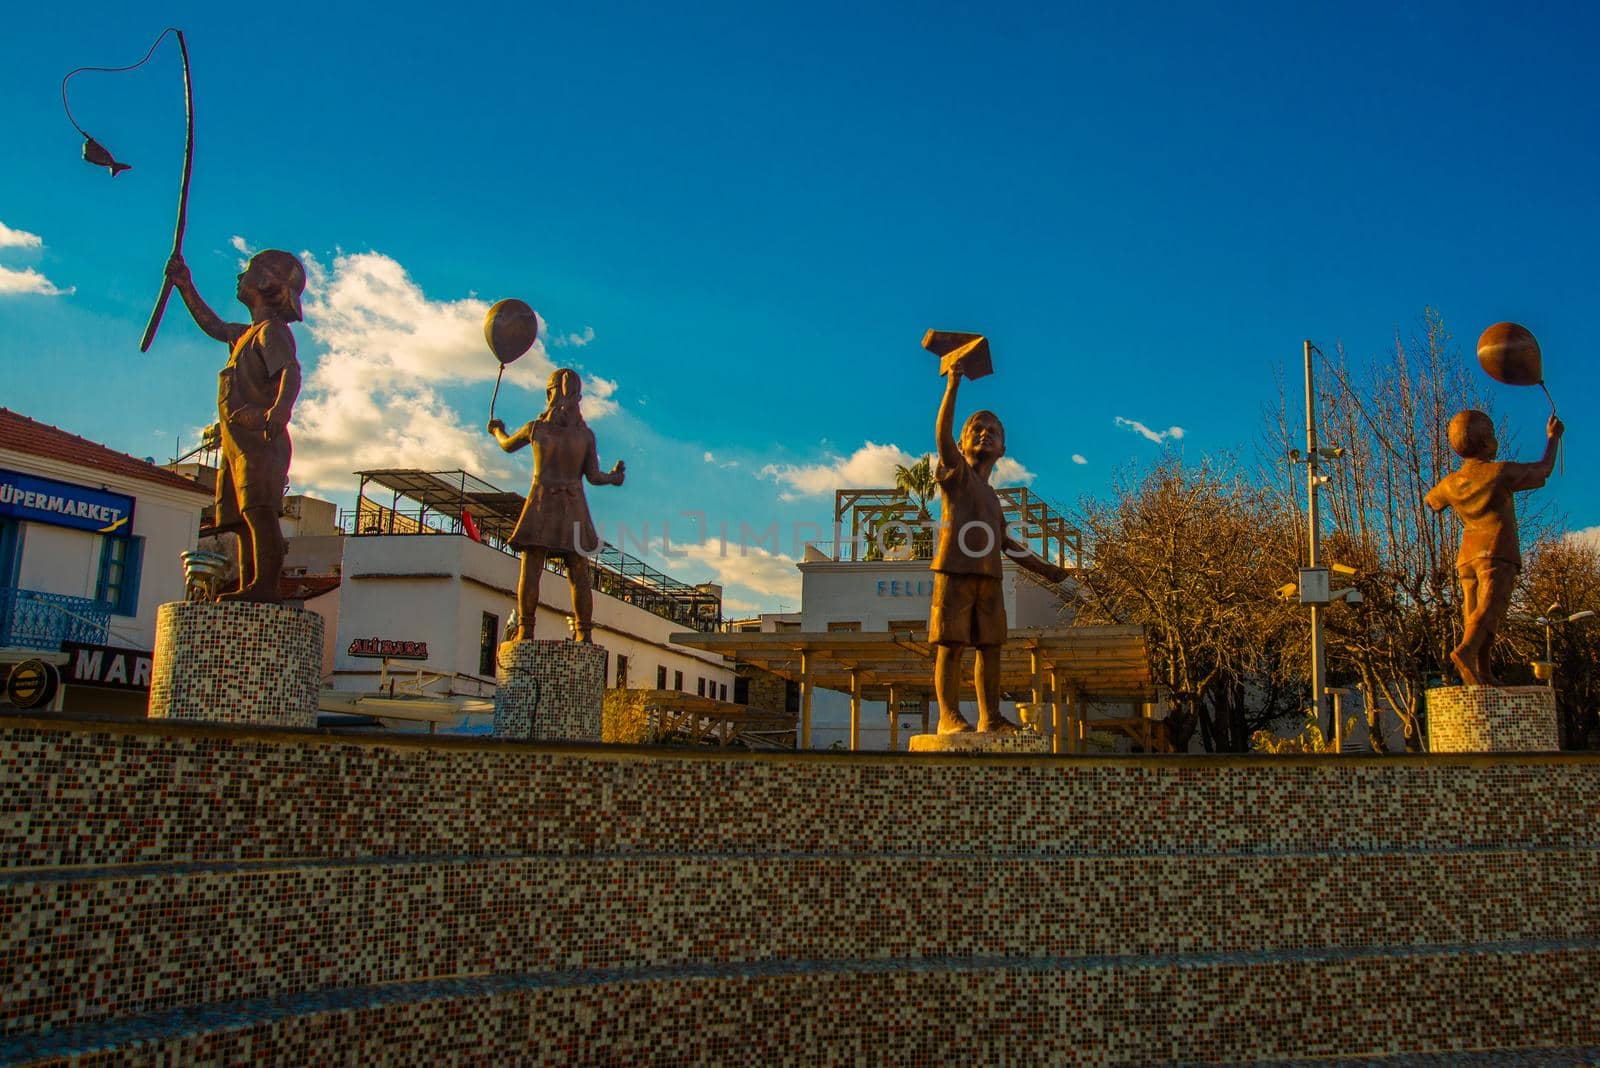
point(918, 483)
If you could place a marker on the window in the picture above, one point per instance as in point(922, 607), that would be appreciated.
point(724, 689)
point(488, 642)
point(10, 551)
point(844, 626)
point(661, 677)
point(701, 687)
point(677, 680)
point(118, 585)
point(741, 691)
point(622, 672)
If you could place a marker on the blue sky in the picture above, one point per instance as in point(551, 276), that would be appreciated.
point(741, 220)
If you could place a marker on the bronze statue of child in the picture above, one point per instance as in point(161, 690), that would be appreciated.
point(1480, 492)
point(969, 605)
point(555, 518)
point(255, 393)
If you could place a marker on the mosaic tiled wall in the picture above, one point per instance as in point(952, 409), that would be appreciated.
point(549, 690)
point(310, 898)
point(236, 662)
point(1492, 719)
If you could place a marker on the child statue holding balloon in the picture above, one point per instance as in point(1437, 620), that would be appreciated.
point(555, 517)
point(1479, 492)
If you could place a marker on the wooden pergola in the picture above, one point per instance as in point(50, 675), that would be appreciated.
point(704, 720)
point(1063, 668)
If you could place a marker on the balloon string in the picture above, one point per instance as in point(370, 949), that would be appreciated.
point(108, 70)
point(495, 396)
point(1561, 447)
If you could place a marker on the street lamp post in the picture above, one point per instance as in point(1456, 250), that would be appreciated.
point(1549, 622)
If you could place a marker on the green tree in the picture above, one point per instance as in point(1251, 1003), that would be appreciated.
point(918, 483)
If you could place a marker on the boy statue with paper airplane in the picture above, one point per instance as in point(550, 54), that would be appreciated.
point(968, 601)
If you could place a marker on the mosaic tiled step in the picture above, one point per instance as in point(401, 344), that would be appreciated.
point(153, 793)
point(1533, 1003)
point(236, 663)
point(202, 934)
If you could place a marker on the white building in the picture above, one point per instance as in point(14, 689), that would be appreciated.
point(89, 549)
point(849, 586)
point(412, 577)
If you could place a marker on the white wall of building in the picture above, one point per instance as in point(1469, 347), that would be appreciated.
point(61, 560)
point(435, 588)
point(878, 593)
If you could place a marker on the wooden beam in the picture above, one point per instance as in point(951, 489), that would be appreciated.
point(1058, 716)
point(894, 719)
point(855, 711)
point(806, 686)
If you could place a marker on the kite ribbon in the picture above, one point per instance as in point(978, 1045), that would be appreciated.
point(188, 159)
point(183, 198)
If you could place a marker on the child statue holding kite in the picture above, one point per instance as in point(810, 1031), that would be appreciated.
point(255, 394)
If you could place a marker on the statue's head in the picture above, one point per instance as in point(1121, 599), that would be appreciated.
point(280, 278)
point(563, 395)
point(983, 438)
point(1472, 435)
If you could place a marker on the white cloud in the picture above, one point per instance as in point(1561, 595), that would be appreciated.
point(29, 280)
point(870, 465)
point(10, 238)
point(1157, 436)
point(1009, 472)
point(711, 458)
point(372, 398)
point(1079, 458)
point(771, 575)
point(26, 279)
point(1588, 536)
point(576, 341)
point(242, 247)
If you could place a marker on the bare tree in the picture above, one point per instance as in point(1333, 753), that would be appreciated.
point(1191, 553)
point(1390, 417)
point(1560, 577)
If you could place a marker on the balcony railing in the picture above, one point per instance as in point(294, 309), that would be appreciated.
point(33, 619)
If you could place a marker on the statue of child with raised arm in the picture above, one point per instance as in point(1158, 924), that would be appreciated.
point(256, 392)
point(555, 518)
point(969, 605)
point(1480, 492)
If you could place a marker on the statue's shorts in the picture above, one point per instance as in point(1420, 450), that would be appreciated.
point(967, 610)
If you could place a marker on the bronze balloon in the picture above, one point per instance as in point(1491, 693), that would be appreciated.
point(510, 328)
point(1509, 353)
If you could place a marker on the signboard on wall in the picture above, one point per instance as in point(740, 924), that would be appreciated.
point(107, 666)
point(383, 648)
point(36, 499)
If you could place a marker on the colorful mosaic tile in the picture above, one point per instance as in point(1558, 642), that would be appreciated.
point(549, 690)
point(1492, 719)
point(236, 662)
point(973, 742)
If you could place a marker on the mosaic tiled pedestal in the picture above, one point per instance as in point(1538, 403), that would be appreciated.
point(1492, 719)
point(549, 690)
point(236, 663)
point(974, 742)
